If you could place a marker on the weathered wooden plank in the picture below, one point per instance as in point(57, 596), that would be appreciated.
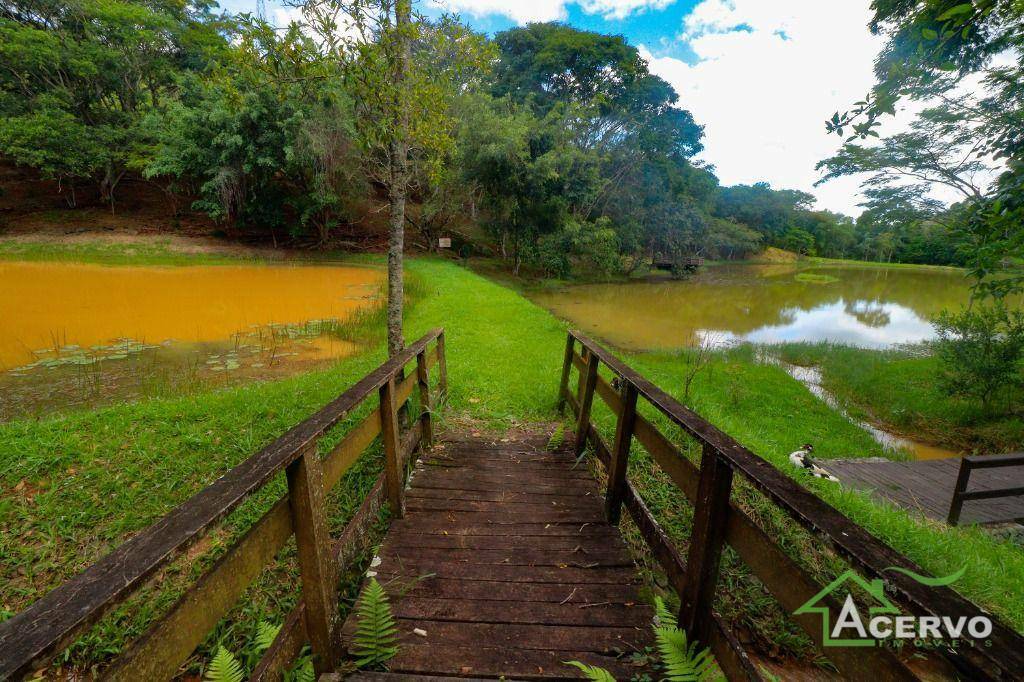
point(439, 587)
point(707, 537)
point(51, 623)
point(483, 482)
point(426, 408)
point(370, 676)
point(393, 469)
point(498, 573)
point(411, 540)
point(442, 367)
point(519, 636)
point(507, 496)
point(620, 452)
point(510, 663)
point(439, 525)
point(584, 505)
point(563, 382)
point(474, 611)
point(505, 517)
point(348, 450)
point(316, 565)
point(588, 379)
point(533, 556)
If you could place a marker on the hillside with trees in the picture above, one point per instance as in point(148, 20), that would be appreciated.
point(554, 148)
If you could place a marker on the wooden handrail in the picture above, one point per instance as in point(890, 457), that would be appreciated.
point(32, 637)
point(1004, 659)
point(967, 465)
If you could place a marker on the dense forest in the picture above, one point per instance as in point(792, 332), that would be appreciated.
point(553, 147)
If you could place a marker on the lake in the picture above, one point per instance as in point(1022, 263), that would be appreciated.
point(76, 334)
point(868, 307)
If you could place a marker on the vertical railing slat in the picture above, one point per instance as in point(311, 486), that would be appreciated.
point(393, 468)
point(442, 369)
point(620, 453)
point(956, 507)
point(426, 407)
point(711, 509)
point(316, 566)
point(588, 381)
point(563, 384)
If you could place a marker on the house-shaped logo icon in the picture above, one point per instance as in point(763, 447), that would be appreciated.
point(819, 603)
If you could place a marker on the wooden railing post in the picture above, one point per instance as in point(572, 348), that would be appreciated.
point(588, 380)
point(316, 567)
point(426, 408)
point(563, 384)
point(711, 508)
point(959, 489)
point(619, 460)
point(442, 369)
point(393, 469)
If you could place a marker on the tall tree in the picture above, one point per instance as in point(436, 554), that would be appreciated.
point(942, 148)
point(403, 74)
point(931, 48)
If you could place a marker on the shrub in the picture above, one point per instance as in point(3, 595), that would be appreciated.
point(982, 350)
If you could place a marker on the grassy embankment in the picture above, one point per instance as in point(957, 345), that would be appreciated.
point(77, 485)
point(899, 390)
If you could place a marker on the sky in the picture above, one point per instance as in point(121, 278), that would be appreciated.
point(761, 76)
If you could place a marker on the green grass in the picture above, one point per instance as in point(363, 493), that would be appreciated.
point(899, 390)
point(93, 478)
point(815, 278)
point(819, 260)
point(160, 251)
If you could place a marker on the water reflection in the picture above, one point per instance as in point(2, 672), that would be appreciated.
point(865, 307)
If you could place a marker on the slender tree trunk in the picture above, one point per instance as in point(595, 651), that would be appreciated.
point(399, 179)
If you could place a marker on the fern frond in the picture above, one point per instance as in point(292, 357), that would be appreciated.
point(266, 633)
point(224, 667)
point(663, 617)
point(682, 660)
point(592, 672)
point(375, 640)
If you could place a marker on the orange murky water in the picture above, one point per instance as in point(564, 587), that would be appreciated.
point(48, 305)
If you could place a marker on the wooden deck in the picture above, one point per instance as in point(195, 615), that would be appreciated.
point(505, 561)
point(927, 487)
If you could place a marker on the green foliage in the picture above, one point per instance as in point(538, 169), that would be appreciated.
point(982, 349)
point(81, 76)
point(682, 660)
point(375, 641)
point(592, 672)
point(224, 668)
point(265, 634)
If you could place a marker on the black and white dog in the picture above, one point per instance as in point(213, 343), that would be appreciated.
point(802, 458)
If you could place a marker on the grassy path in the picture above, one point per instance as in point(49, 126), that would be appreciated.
point(75, 486)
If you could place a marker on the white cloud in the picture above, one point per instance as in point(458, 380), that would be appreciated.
point(519, 12)
point(523, 11)
point(620, 9)
point(767, 76)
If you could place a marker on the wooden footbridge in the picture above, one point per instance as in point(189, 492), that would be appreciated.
point(503, 556)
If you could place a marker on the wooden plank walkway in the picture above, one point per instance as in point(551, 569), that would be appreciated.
point(505, 561)
point(926, 486)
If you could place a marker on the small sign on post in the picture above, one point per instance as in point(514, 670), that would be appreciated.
point(444, 242)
